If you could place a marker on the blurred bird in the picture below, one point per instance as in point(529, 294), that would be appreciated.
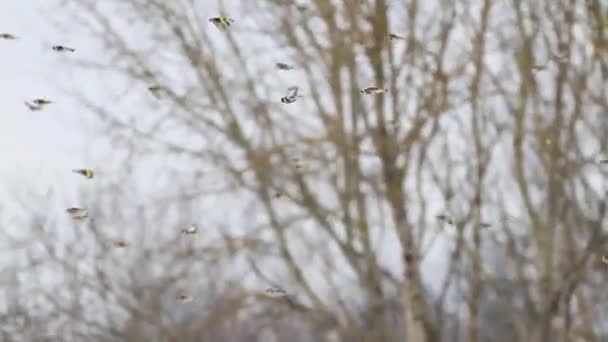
point(156, 90)
point(445, 218)
point(222, 23)
point(284, 66)
point(183, 297)
point(38, 104)
point(292, 95)
point(77, 213)
point(120, 243)
point(298, 163)
point(190, 230)
point(605, 259)
point(280, 195)
point(393, 36)
point(85, 172)
point(41, 101)
point(61, 48)
point(485, 225)
point(603, 161)
point(373, 91)
point(7, 36)
point(539, 67)
point(275, 292)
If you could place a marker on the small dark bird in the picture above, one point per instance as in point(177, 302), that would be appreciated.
point(222, 23)
point(85, 172)
point(184, 297)
point(292, 95)
point(156, 90)
point(190, 230)
point(41, 102)
point(484, 225)
point(61, 48)
point(7, 36)
point(77, 213)
point(604, 259)
point(603, 161)
point(280, 195)
point(393, 36)
point(445, 218)
point(37, 104)
point(284, 66)
point(275, 292)
point(373, 91)
point(120, 243)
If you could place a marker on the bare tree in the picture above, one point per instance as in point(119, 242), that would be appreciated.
point(467, 185)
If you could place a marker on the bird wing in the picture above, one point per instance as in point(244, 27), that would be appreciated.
point(292, 91)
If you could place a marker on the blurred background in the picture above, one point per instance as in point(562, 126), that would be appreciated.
point(466, 203)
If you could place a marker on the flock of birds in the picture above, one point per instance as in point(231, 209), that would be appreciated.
point(222, 23)
point(80, 213)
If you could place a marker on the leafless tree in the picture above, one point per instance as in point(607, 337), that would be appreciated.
point(464, 203)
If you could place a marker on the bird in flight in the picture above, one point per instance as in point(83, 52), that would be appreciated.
point(78, 213)
point(221, 22)
point(156, 90)
point(292, 95)
point(120, 243)
point(284, 66)
point(190, 230)
point(393, 36)
point(37, 104)
point(280, 195)
point(184, 297)
point(85, 172)
point(61, 48)
point(275, 292)
point(445, 218)
point(373, 91)
point(7, 36)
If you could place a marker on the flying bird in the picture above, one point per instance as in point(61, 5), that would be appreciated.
point(292, 95)
point(85, 172)
point(61, 48)
point(280, 195)
point(190, 230)
point(37, 104)
point(78, 213)
point(120, 243)
point(393, 36)
point(284, 66)
point(297, 163)
point(373, 91)
point(275, 292)
point(41, 102)
point(184, 297)
point(7, 36)
point(221, 22)
point(445, 218)
point(156, 90)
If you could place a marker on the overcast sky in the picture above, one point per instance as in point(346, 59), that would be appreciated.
point(34, 143)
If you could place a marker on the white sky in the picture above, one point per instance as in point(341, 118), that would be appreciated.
point(36, 144)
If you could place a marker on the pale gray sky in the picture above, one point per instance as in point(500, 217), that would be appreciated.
point(35, 144)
